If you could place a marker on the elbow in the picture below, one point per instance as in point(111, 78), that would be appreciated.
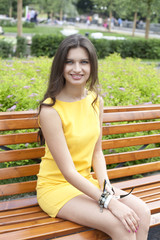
point(69, 175)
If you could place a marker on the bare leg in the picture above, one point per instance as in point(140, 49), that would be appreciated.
point(141, 210)
point(85, 211)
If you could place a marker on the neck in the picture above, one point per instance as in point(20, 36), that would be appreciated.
point(72, 94)
point(75, 93)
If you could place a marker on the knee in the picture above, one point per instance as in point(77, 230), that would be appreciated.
point(146, 212)
point(120, 233)
point(145, 218)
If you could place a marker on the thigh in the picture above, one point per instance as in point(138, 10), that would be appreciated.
point(133, 202)
point(85, 211)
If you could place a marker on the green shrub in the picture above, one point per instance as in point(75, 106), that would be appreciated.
point(7, 23)
point(21, 47)
point(6, 49)
point(102, 47)
point(28, 24)
point(45, 45)
point(128, 81)
point(123, 82)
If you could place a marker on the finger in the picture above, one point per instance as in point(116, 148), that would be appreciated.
point(126, 225)
point(130, 222)
point(136, 218)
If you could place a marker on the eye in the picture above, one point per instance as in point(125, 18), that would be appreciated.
point(69, 62)
point(84, 61)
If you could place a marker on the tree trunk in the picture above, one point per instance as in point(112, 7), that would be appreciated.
point(147, 28)
point(148, 19)
point(110, 19)
point(10, 8)
point(10, 11)
point(134, 24)
point(61, 14)
point(19, 18)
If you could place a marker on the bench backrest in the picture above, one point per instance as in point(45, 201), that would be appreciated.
point(123, 143)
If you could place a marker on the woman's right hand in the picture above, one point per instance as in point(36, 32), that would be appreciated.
point(125, 214)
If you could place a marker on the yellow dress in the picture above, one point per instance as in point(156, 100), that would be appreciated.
point(81, 128)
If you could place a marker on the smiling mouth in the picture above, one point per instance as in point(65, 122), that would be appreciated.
point(76, 77)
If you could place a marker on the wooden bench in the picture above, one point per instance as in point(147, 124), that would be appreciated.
point(20, 215)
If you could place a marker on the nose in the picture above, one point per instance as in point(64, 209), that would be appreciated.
point(77, 67)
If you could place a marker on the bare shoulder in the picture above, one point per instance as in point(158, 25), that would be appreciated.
point(101, 103)
point(48, 114)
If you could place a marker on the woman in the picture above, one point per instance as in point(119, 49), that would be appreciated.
point(71, 121)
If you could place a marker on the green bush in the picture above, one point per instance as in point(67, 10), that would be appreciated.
point(45, 45)
point(28, 24)
point(21, 47)
point(102, 47)
point(6, 49)
point(123, 82)
point(7, 23)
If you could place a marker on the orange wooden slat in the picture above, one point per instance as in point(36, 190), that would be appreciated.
point(141, 191)
point(130, 116)
point(87, 235)
point(16, 124)
point(17, 188)
point(19, 212)
point(22, 154)
point(44, 232)
point(28, 224)
point(138, 182)
point(132, 127)
point(19, 171)
point(18, 203)
point(23, 218)
point(18, 114)
point(151, 198)
point(130, 141)
point(108, 109)
point(9, 139)
point(154, 206)
point(133, 170)
point(132, 156)
point(149, 195)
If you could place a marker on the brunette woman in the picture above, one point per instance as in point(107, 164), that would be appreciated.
point(71, 122)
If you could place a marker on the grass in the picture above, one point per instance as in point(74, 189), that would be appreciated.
point(56, 29)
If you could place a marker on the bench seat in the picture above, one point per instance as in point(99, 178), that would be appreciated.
point(20, 215)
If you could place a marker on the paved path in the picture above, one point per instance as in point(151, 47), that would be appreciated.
point(121, 30)
point(154, 233)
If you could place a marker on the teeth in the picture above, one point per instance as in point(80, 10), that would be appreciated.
point(76, 76)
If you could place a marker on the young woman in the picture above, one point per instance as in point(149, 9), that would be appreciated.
point(71, 121)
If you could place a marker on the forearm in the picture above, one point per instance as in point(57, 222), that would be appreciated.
point(100, 169)
point(82, 184)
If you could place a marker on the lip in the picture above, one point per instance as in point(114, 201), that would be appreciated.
point(76, 76)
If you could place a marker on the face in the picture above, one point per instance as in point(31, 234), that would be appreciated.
point(77, 67)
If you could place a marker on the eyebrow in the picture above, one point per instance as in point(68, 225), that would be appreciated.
point(80, 59)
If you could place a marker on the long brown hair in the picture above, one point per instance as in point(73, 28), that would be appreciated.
point(57, 80)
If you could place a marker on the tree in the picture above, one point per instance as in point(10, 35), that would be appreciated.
point(132, 8)
point(59, 7)
point(84, 6)
point(108, 5)
point(150, 5)
point(19, 18)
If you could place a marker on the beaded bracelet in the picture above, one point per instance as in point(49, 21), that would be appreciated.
point(103, 197)
point(106, 197)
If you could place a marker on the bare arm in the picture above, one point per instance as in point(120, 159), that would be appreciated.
point(98, 161)
point(52, 129)
point(120, 210)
